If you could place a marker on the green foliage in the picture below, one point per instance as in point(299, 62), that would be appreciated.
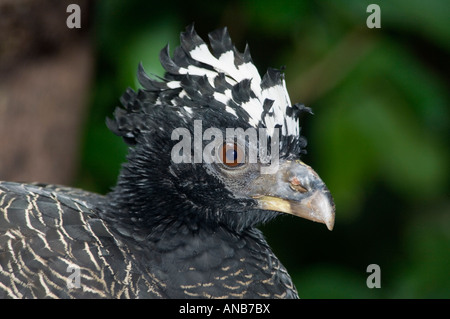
point(379, 136)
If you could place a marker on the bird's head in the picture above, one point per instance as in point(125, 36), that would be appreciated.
point(212, 142)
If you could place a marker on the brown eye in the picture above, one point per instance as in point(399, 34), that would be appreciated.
point(231, 154)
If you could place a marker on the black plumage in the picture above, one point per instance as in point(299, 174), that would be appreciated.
point(169, 229)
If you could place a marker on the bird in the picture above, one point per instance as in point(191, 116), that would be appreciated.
point(214, 151)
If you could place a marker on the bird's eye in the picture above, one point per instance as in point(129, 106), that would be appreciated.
point(231, 155)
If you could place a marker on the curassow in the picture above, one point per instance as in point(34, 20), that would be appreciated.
point(214, 150)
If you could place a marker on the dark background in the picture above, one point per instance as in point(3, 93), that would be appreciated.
point(379, 136)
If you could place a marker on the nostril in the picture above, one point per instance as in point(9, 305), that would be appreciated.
point(296, 185)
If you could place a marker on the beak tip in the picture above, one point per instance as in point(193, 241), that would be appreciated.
point(323, 206)
point(330, 223)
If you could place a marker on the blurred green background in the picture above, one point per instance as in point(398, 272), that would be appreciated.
point(379, 136)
